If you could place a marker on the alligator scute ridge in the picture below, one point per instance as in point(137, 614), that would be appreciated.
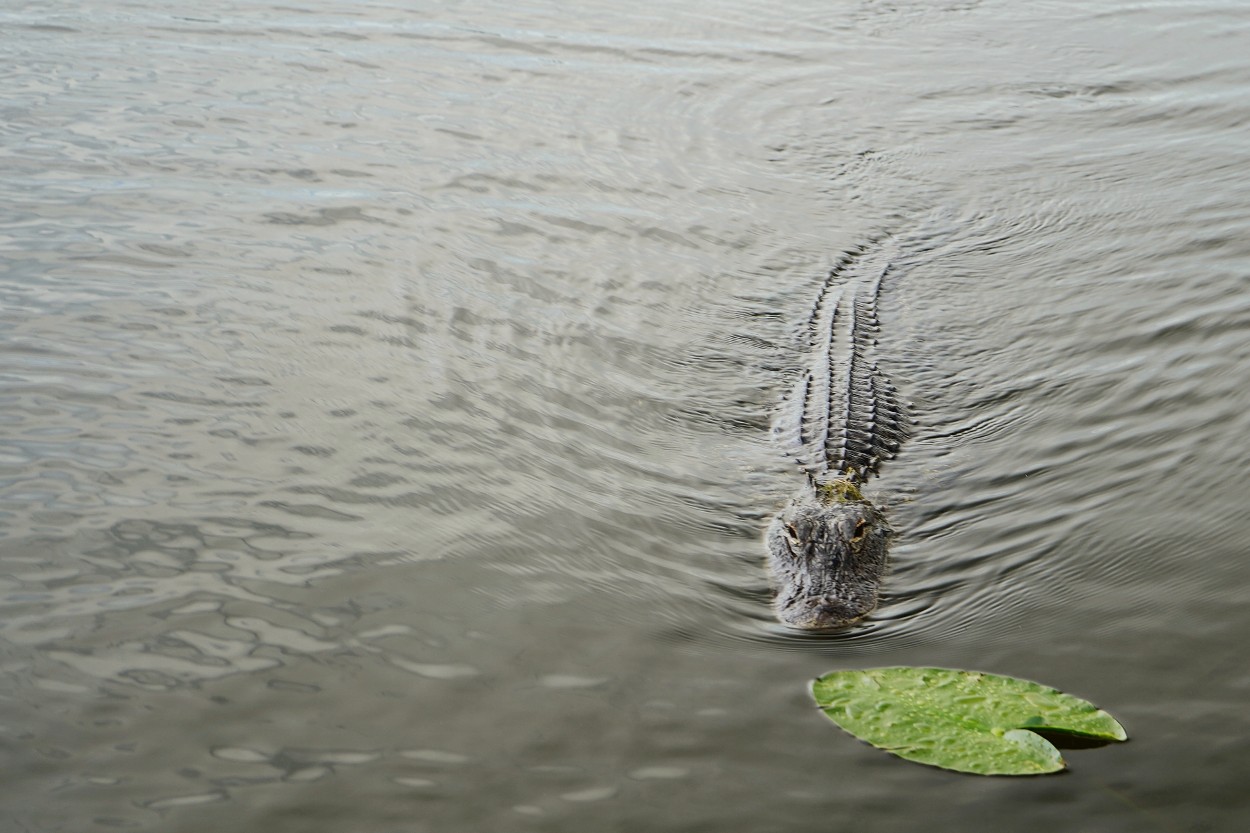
point(842, 418)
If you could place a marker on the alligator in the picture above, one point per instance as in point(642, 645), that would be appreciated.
point(843, 417)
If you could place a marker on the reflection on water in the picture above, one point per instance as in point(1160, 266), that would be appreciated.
point(384, 439)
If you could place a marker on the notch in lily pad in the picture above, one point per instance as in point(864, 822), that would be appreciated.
point(966, 721)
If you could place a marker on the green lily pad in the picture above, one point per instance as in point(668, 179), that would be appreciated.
point(961, 720)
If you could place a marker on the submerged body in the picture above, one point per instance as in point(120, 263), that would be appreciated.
point(828, 546)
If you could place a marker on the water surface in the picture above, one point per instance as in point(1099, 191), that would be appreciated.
point(387, 389)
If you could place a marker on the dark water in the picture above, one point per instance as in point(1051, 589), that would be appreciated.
point(384, 441)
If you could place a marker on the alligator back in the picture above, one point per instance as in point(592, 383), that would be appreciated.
point(843, 416)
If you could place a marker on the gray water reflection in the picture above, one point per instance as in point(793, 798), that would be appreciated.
point(386, 403)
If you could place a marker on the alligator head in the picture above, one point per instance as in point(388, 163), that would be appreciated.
point(827, 551)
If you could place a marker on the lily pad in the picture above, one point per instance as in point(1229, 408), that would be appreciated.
point(966, 721)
